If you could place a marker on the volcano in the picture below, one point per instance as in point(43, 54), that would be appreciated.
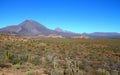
point(34, 28)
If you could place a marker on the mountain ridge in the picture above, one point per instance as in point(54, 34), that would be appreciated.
point(33, 28)
point(103, 34)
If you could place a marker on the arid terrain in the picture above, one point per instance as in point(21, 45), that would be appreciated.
point(58, 56)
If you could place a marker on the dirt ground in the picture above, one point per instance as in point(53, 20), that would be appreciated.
point(6, 71)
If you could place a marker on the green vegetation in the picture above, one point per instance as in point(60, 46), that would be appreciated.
point(60, 56)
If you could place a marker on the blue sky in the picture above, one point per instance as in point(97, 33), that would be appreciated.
point(73, 15)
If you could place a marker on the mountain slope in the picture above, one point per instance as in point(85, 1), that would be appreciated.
point(30, 27)
point(33, 28)
point(61, 30)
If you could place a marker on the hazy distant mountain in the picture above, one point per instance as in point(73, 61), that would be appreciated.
point(33, 28)
point(61, 30)
point(103, 34)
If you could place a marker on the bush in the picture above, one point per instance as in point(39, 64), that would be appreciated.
point(103, 72)
point(32, 72)
point(2, 65)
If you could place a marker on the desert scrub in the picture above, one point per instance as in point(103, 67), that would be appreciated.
point(57, 71)
point(34, 72)
point(103, 72)
point(30, 72)
point(72, 56)
point(5, 65)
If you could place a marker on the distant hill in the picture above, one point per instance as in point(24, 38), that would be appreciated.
point(61, 30)
point(103, 35)
point(33, 28)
